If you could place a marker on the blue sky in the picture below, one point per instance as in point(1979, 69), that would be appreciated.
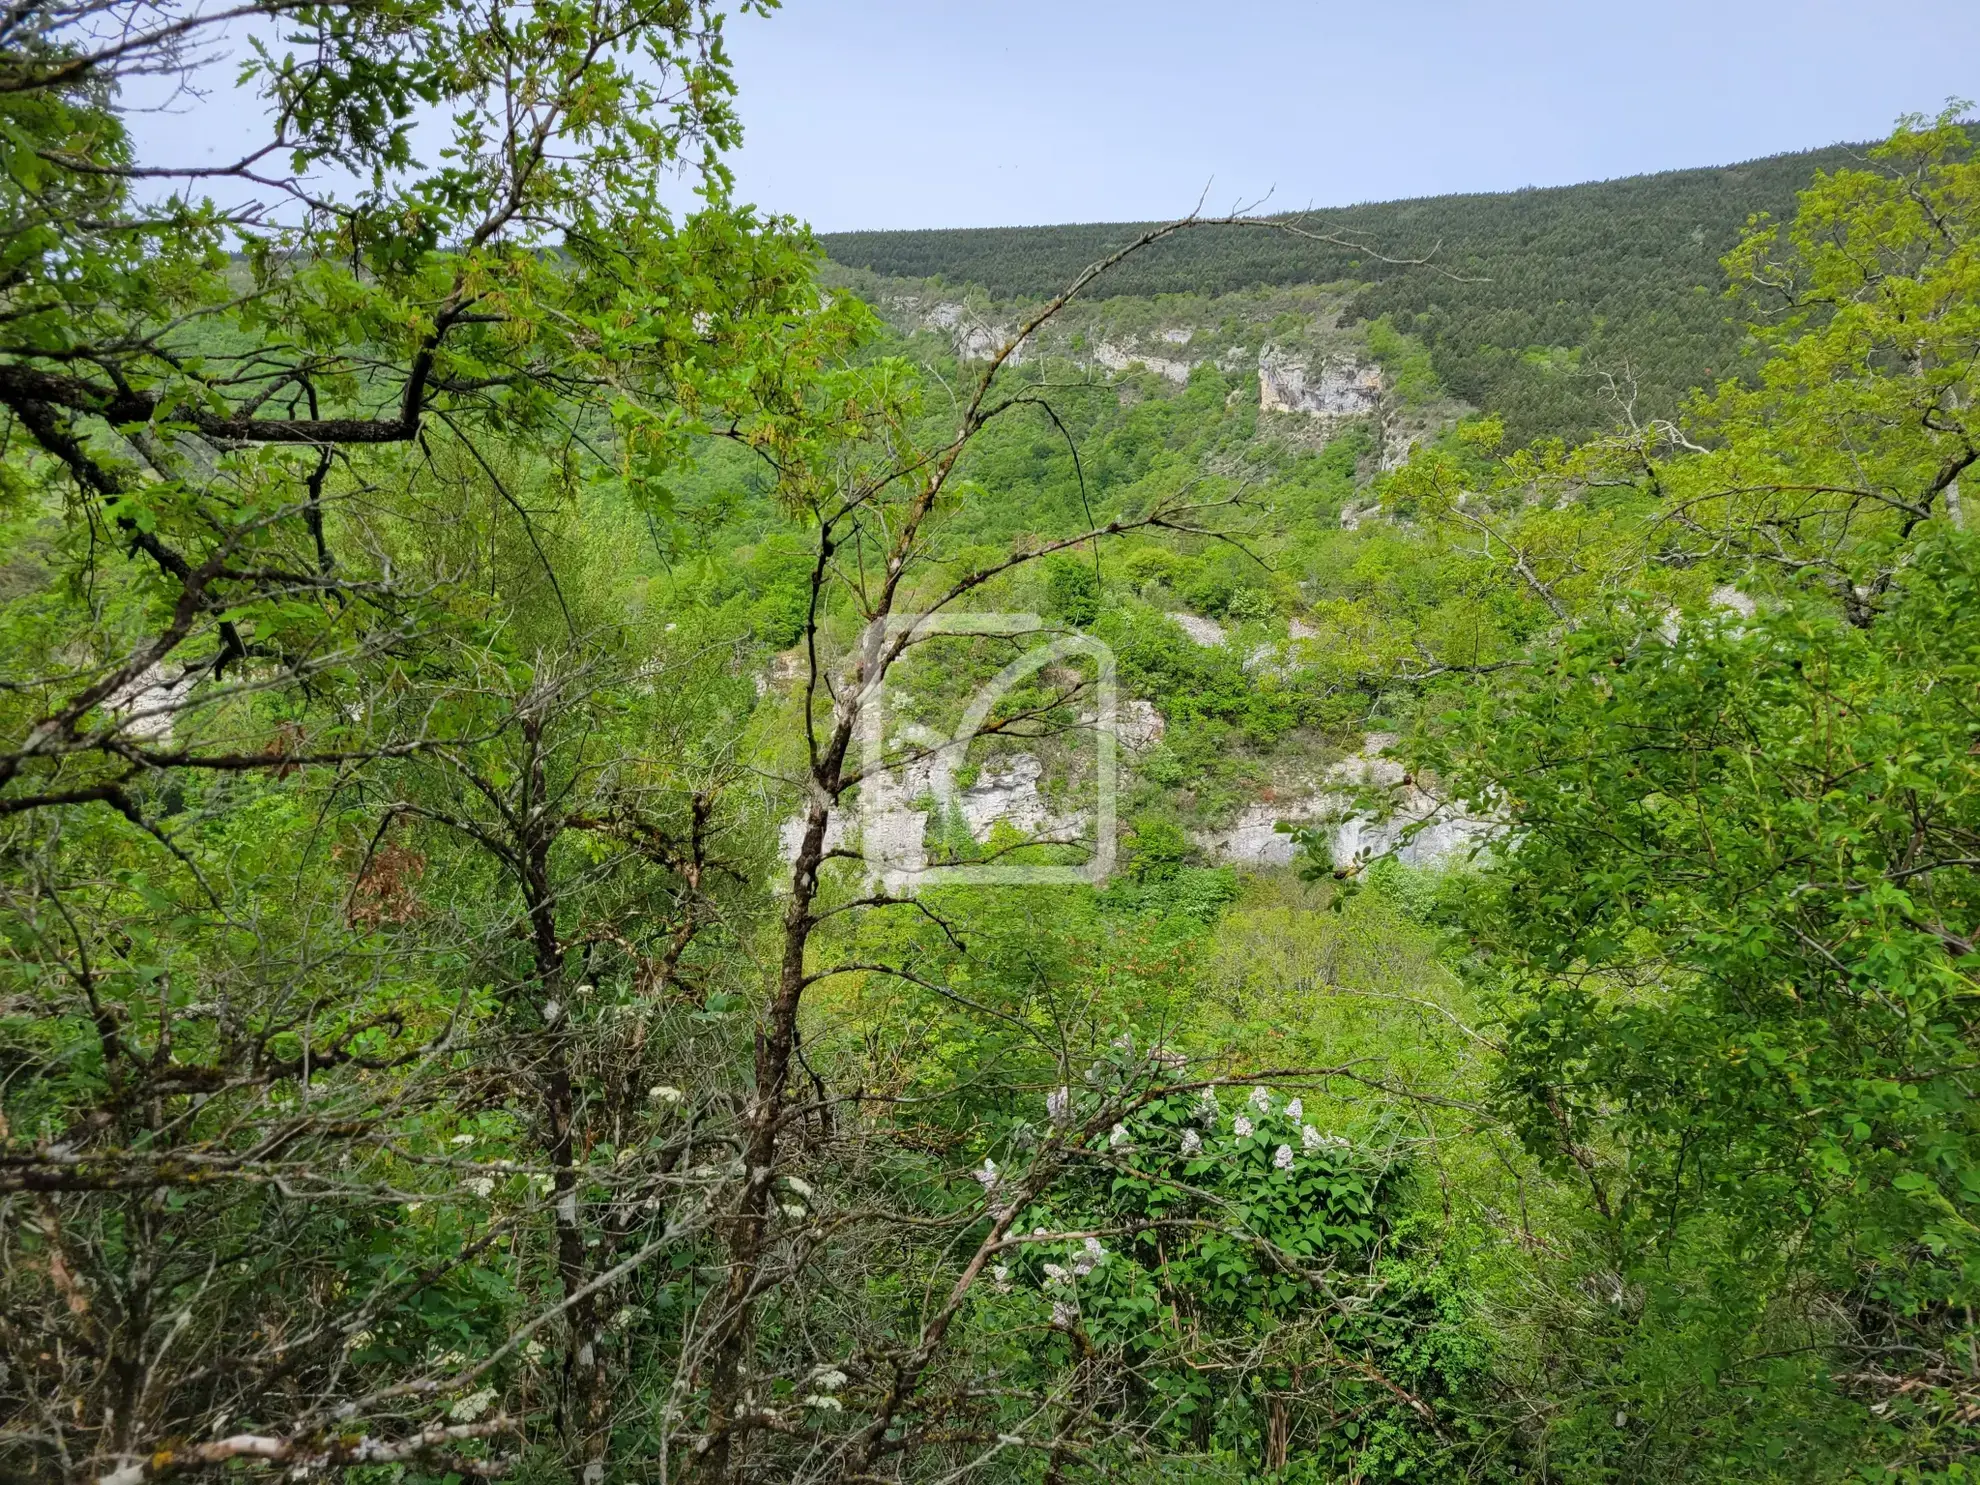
point(927, 113)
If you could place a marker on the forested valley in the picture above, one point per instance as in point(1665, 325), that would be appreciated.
point(639, 846)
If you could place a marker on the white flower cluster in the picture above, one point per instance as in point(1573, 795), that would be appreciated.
point(1058, 1105)
point(1207, 1111)
point(988, 1177)
point(1261, 1101)
point(1283, 1157)
point(1117, 1138)
point(1093, 1253)
point(1241, 1127)
point(1192, 1144)
point(471, 1407)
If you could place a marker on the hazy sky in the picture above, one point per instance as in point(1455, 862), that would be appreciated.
point(926, 113)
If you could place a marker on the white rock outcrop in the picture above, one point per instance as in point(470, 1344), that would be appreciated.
point(1005, 792)
point(146, 707)
point(1139, 726)
point(1398, 443)
point(1730, 600)
point(884, 821)
point(974, 338)
point(888, 823)
point(1120, 358)
point(1340, 387)
point(1206, 632)
point(1253, 839)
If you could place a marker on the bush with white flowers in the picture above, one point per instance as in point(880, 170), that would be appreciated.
point(1193, 1232)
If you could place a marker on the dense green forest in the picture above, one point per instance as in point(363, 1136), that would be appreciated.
point(1525, 299)
point(631, 852)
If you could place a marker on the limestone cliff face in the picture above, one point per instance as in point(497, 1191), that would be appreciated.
point(1340, 387)
point(1120, 358)
point(981, 342)
point(1398, 443)
point(974, 338)
point(1324, 374)
point(1419, 828)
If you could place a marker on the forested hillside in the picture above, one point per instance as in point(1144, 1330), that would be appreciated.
point(628, 855)
point(1525, 299)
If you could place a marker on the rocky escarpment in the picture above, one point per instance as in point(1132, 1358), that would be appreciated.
point(1310, 367)
point(1123, 357)
point(1337, 387)
point(896, 806)
point(1416, 827)
point(974, 337)
point(890, 819)
point(1365, 803)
